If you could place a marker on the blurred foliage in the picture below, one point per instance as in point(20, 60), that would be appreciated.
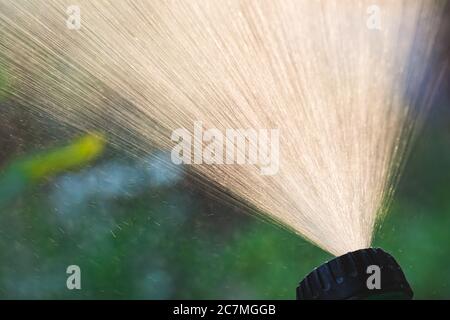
point(140, 230)
point(21, 173)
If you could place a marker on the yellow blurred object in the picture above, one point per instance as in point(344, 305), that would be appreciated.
point(80, 152)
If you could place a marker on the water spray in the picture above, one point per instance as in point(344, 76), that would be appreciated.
point(347, 97)
point(363, 274)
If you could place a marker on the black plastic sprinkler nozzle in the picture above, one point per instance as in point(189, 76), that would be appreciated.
point(362, 274)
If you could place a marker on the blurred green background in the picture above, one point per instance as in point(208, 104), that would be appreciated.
point(139, 230)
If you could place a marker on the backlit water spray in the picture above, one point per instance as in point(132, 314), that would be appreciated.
point(337, 88)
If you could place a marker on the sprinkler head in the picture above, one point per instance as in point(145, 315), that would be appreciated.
point(363, 274)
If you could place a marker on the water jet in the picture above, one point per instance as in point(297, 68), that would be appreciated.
point(347, 97)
